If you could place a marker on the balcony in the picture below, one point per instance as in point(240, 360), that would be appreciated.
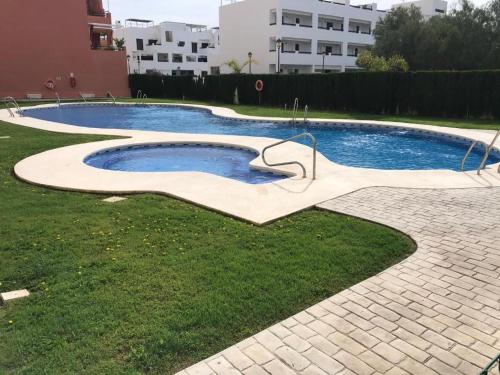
point(294, 18)
point(360, 27)
point(330, 23)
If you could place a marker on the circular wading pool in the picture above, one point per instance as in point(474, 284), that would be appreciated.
point(222, 161)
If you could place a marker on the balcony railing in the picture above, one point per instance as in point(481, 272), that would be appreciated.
point(104, 48)
point(338, 28)
point(295, 24)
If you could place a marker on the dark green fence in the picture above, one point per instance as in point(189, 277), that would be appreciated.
point(442, 94)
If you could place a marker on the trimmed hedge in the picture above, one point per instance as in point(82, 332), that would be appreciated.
point(440, 94)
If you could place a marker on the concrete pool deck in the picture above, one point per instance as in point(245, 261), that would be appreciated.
point(64, 168)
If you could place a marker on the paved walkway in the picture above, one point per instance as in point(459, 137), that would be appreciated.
point(438, 312)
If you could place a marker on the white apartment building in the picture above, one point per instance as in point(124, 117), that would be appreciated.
point(311, 32)
point(170, 48)
point(429, 8)
point(302, 36)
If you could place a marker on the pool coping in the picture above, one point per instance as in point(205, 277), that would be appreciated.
point(63, 168)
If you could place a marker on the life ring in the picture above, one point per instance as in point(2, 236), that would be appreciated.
point(72, 82)
point(50, 84)
point(259, 85)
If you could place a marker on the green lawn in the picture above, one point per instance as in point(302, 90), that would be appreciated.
point(280, 112)
point(152, 284)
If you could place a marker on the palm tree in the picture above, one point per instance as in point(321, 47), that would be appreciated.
point(236, 67)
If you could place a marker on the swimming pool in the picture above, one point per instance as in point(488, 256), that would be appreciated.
point(222, 161)
point(355, 146)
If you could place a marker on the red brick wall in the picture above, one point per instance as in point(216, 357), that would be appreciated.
point(49, 39)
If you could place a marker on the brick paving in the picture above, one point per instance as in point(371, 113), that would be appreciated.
point(437, 312)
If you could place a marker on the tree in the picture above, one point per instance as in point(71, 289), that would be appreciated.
point(466, 38)
point(120, 43)
point(236, 67)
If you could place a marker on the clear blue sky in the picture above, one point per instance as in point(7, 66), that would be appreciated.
point(203, 12)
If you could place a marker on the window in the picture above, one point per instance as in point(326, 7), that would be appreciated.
point(163, 57)
point(140, 44)
point(202, 59)
point(176, 58)
point(297, 47)
point(439, 10)
point(190, 58)
point(181, 44)
point(204, 45)
point(328, 50)
point(297, 20)
point(152, 42)
point(168, 36)
point(356, 51)
point(214, 70)
point(194, 47)
point(147, 58)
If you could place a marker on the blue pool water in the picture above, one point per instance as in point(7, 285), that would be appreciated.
point(368, 147)
point(222, 161)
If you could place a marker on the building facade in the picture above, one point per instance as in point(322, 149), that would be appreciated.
point(59, 46)
point(301, 36)
point(170, 48)
point(306, 36)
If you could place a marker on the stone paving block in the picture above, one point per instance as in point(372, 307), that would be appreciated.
point(16, 294)
point(470, 355)
point(414, 367)
point(410, 350)
point(255, 370)
point(292, 358)
point(258, 354)
point(297, 343)
point(322, 328)
point(268, 340)
point(278, 368)
point(441, 368)
point(237, 358)
point(389, 353)
point(313, 370)
point(222, 366)
point(346, 343)
point(324, 345)
point(375, 361)
point(323, 361)
point(354, 364)
point(114, 199)
point(445, 356)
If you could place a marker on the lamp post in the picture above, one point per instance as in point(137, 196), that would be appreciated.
point(250, 54)
point(324, 54)
point(128, 64)
point(279, 44)
point(139, 63)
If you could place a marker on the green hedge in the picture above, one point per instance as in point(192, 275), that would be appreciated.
point(441, 94)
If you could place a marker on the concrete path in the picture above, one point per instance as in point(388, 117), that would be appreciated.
point(438, 312)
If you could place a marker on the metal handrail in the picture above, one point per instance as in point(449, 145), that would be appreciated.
point(487, 153)
point(306, 111)
point(9, 100)
point(144, 97)
point(490, 365)
point(83, 97)
point(109, 95)
point(295, 109)
point(304, 172)
point(139, 94)
point(58, 99)
point(462, 166)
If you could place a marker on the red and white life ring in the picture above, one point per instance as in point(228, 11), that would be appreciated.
point(259, 85)
point(50, 84)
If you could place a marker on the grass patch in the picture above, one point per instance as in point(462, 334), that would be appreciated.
point(152, 284)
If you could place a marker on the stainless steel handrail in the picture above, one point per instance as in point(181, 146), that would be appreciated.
point(487, 153)
point(9, 100)
point(144, 97)
point(306, 112)
point(295, 109)
point(304, 172)
point(462, 166)
point(83, 97)
point(58, 99)
point(139, 94)
point(109, 95)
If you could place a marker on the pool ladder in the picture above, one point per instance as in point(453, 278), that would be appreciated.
point(487, 152)
point(11, 103)
point(295, 110)
point(109, 95)
point(303, 135)
point(58, 99)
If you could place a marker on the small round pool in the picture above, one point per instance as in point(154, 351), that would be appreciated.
point(222, 161)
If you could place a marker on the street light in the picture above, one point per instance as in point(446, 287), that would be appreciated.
point(324, 54)
point(250, 62)
point(279, 45)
